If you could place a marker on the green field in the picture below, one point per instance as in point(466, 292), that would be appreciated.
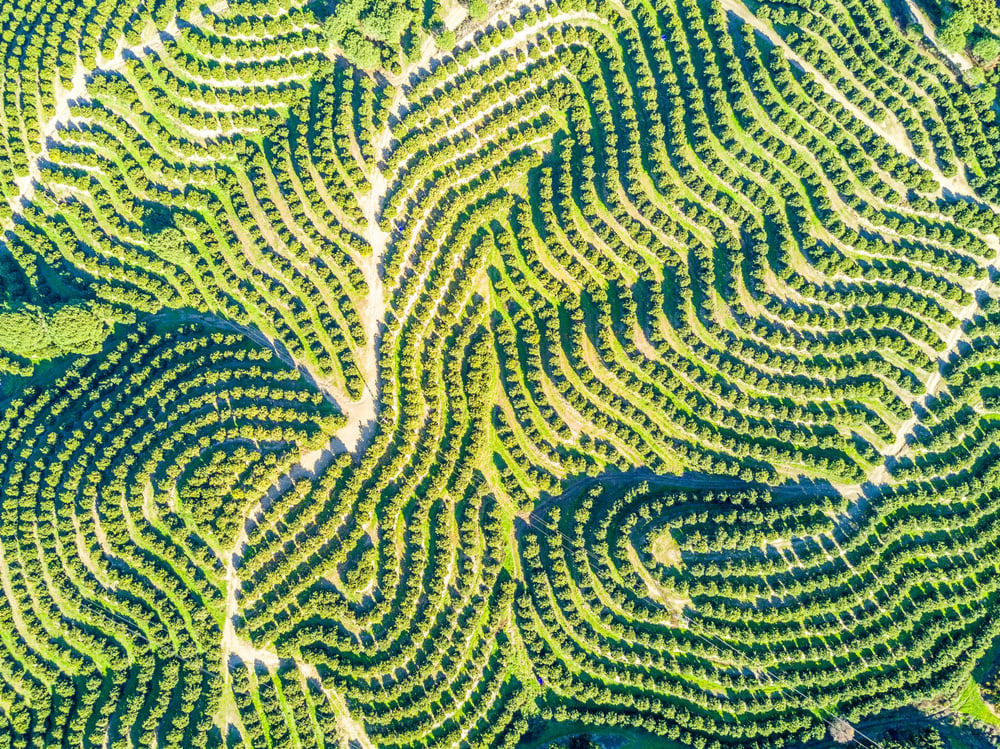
point(466, 373)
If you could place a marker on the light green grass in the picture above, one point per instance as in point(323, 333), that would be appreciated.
point(971, 702)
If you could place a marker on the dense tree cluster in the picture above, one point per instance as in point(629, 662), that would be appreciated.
point(115, 592)
point(265, 233)
point(663, 338)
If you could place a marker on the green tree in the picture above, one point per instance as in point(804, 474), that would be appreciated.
point(360, 50)
point(385, 20)
point(478, 9)
point(986, 48)
point(974, 77)
point(446, 40)
point(38, 333)
point(76, 328)
point(954, 32)
point(169, 244)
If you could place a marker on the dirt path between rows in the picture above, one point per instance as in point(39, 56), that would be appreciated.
point(958, 60)
point(892, 131)
point(934, 383)
point(151, 41)
point(897, 137)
